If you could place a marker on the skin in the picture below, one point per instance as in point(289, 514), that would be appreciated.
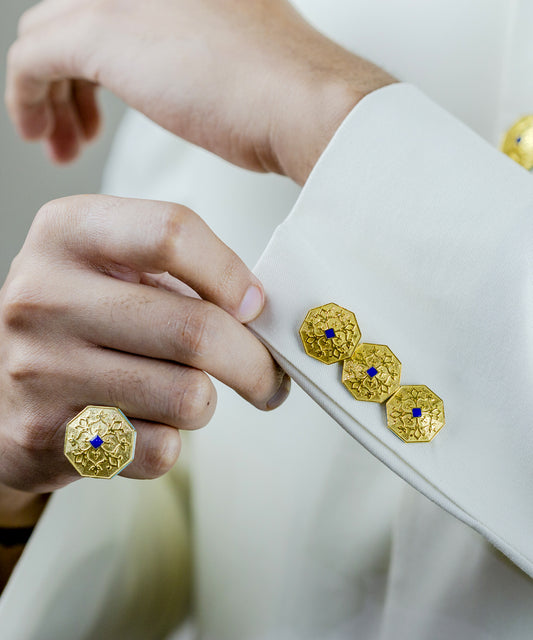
point(249, 80)
point(102, 305)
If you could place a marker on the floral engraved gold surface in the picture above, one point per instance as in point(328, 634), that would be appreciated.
point(518, 142)
point(330, 320)
point(113, 437)
point(415, 413)
point(372, 373)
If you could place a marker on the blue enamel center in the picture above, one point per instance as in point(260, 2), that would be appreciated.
point(417, 412)
point(96, 441)
point(330, 333)
point(372, 371)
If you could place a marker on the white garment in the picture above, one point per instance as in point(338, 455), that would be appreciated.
point(298, 533)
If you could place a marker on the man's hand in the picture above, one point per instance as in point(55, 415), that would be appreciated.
point(101, 307)
point(249, 80)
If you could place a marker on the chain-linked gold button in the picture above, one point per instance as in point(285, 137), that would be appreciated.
point(372, 373)
point(518, 142)
point(330, 333)
point(415, 413)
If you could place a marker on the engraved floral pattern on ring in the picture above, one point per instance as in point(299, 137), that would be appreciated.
point(100, 442)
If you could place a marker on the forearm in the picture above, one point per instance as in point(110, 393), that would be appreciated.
point(327, 85)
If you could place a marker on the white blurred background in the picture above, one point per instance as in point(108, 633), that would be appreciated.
point(27, 178)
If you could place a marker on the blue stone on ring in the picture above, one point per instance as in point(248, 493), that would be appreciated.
point(330, 333)
point(96, 441)
point(417, 412)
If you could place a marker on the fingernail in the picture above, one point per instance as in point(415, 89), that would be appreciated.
point(281, 394)
point(251, 304)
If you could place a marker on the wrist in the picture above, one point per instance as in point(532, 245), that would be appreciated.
point(318, 105)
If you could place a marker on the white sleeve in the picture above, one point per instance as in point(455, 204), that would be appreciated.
point(425, 232)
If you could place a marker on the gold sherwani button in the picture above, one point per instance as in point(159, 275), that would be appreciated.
point(415, 413)
point(330, 333)
point(372, 373)
point(518, 142)
point(100, 442)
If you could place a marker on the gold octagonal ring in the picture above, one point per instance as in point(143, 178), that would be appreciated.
point(100, 442)
point(372, 373)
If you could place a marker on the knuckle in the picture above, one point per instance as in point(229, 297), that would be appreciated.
point(87, 22)
point(14, 53)
point(21, 303)
point(196, 332)
point(175, 221)
point(25, 437)
point(26, 21)
point(21, 366)
point(195, 399)
point(59, 218)
point(28, 435)
point(48, 215)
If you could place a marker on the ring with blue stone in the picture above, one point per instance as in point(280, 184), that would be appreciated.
point(100, 442)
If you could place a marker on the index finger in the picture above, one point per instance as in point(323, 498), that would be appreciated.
point(153, 237)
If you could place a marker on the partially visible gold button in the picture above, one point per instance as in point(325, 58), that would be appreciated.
point(518, 142)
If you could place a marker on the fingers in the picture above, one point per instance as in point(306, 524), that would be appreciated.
point(114, 235)
point(43, 95)
point(84, 98)
point(65, 138)
point(156, 451)
point(34, 63)
point(75, 119)
point(143, 388)
point(166, 326)
point(153, 237)
point(157, 396)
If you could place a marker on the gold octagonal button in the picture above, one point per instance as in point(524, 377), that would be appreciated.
point(330, 333)
point(372, 373)
point(518, 142)
point(415, 413)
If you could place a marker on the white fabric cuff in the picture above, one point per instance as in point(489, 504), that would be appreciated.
point(424, 231)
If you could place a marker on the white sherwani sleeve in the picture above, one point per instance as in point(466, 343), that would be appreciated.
point(424, 231)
